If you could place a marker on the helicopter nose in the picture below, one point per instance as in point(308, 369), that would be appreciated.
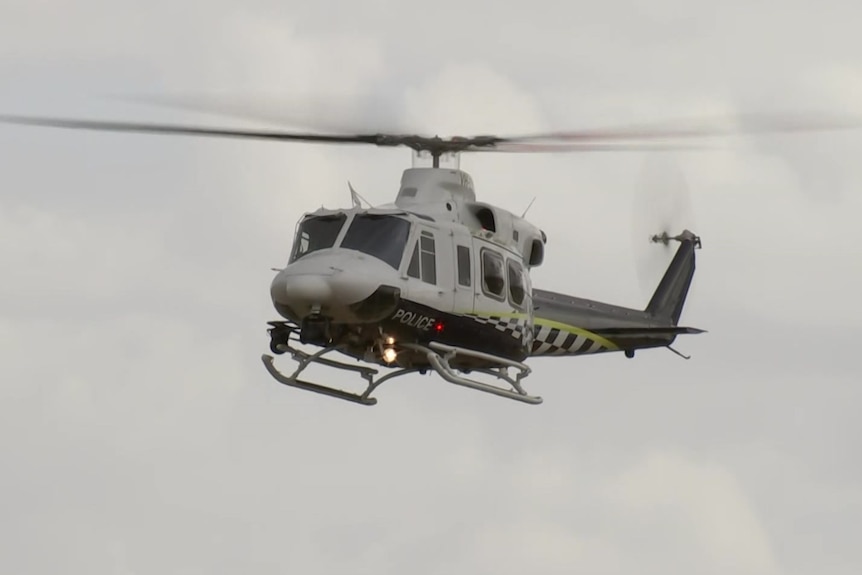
point(335, 285)
point(307, 289)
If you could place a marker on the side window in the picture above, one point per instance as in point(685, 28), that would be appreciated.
point(493, 281)
point(464, 266)
point(423, 262)
point(413, 268)
point(517, 289)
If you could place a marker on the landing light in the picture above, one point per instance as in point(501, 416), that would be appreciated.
point(390, 340)
point(389, 354)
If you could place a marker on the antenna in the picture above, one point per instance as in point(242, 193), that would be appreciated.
point(355, 197)
point(528, 207)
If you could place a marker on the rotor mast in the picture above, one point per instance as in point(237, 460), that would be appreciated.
point(437, 147)
point(448, 160)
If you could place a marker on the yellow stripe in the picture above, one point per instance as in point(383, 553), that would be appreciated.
point(555, 324)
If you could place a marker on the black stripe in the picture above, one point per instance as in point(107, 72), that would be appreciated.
point(552, 335)
point(570, 341)
point(585, 346)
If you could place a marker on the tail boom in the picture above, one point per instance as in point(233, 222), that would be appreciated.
point(567, 325)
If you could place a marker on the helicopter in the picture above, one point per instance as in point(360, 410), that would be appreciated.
point(439, 282)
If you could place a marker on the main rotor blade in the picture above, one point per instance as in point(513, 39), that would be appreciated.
point(323, 113)
point(375, 139)
point(337, 115)
point(649, 138)
point(516, 147)
point(472, 144)
point(702, 128)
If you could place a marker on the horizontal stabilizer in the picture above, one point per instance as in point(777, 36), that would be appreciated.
point(623, 333)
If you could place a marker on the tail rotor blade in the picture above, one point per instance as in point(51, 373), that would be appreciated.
point(661, 210)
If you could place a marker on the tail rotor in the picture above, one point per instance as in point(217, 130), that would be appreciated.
point(661, 211)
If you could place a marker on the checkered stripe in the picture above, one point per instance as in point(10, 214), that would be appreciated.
point(554, 341)
point(514, 326)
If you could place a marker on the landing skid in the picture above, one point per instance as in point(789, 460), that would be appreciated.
point(439, 356)
point(441, 365)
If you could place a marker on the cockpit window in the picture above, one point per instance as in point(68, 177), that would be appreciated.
point(383, 237)
point(317, 233)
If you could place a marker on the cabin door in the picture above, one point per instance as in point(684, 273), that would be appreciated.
point(465, 276)
point(431, 263)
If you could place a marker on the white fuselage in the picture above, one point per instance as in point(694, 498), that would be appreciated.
point(433, 244)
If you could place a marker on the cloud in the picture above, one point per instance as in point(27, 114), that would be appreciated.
point(140, 433)
point(715, 528)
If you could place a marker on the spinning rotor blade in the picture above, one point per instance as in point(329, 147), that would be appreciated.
point(372, 113)
point(339, 115)
point(703, 128)
point(193, 131)
point(662, 205)
point(648, 138)
point(456, 144)
point(322, 113)
point(517, 147)
point(433, 144)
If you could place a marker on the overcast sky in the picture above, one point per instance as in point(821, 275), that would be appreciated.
point(139, 432)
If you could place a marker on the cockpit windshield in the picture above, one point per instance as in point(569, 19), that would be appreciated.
point(317, 233)
point(383, 237)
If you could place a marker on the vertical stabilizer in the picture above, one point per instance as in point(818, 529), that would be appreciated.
point(669, 297)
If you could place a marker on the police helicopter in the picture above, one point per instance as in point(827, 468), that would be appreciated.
point(438, 281)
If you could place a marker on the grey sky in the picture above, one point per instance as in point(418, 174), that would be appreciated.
point(140, 434)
